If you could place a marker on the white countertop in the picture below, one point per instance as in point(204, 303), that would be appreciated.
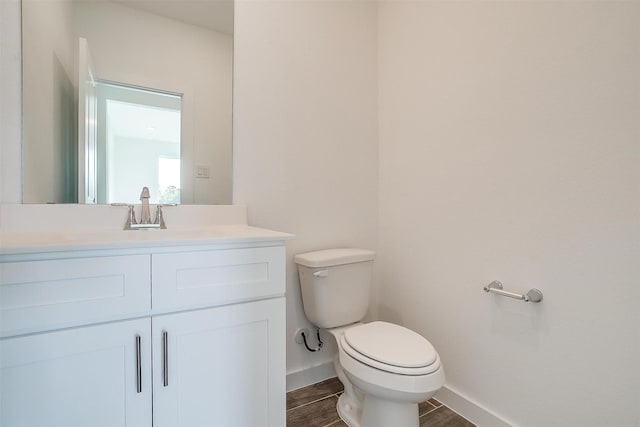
point(31, 229)
point(25, 242)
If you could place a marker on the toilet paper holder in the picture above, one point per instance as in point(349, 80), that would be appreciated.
point(533, 295)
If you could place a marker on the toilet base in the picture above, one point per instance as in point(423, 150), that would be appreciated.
point(383, 406)
point(378, 413)
point(347, 412)
point(384, 413)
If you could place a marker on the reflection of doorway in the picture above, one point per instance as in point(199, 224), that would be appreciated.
point(138, 144)
point(87, 156)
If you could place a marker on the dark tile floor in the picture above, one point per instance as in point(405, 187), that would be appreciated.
point(315, 406)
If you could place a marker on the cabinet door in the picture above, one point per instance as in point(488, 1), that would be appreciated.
point(77, 377)
point(221, 366)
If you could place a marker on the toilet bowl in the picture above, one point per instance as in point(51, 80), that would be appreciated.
point(386, 369)
point(384, 383)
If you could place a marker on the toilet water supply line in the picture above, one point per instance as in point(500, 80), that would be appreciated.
point(320, 343)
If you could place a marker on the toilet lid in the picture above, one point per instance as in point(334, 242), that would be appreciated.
point(391, 344)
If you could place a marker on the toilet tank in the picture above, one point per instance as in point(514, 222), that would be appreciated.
point(335, 285)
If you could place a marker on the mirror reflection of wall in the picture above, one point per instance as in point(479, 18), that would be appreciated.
point(133, 48)
point(138, 124)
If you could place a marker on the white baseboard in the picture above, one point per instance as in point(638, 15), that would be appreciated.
point(469, 409)
point(310, 375)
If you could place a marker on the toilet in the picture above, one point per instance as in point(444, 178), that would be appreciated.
point(386, 369)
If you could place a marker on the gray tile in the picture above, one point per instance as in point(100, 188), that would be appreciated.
point(313, 392)
point(315, 406)
point(425, 407)
point(444, 417)
point(316, 414)
point(435, 403)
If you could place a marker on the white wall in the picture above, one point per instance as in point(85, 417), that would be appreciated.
point(305, 151)
point(49, 103)
point(10, 99)
point(509, 140)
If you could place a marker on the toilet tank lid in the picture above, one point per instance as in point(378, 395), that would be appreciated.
point(331, 257)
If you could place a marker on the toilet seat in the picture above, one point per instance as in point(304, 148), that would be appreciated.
point(390, 348)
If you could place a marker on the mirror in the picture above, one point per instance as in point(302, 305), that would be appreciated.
point(121, 94)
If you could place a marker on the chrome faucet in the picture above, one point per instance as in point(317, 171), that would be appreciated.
point(145, 216)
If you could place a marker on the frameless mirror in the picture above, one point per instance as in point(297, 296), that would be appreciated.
point(121, 94)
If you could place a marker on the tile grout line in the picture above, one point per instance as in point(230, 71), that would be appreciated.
point(428, 412)
point(437, 406)
point(314, 401)
point(443, 405)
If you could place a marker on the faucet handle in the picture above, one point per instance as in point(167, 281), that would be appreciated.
point(131, 218)
point(160, 218)
point(131, 215)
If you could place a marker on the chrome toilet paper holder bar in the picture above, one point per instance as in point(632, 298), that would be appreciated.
point(534, 295)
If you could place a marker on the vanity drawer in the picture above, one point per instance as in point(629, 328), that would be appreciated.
point(51, 294)
point(191, 279)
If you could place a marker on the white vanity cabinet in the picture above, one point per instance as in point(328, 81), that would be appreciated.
point(220, 367)
point(85, 376)
point(172, 336)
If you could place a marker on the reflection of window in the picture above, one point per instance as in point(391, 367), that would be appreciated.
point(169, 180)
point(140, 140)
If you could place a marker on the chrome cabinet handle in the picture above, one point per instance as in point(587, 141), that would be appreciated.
point(138, 365)
point(165, 358)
